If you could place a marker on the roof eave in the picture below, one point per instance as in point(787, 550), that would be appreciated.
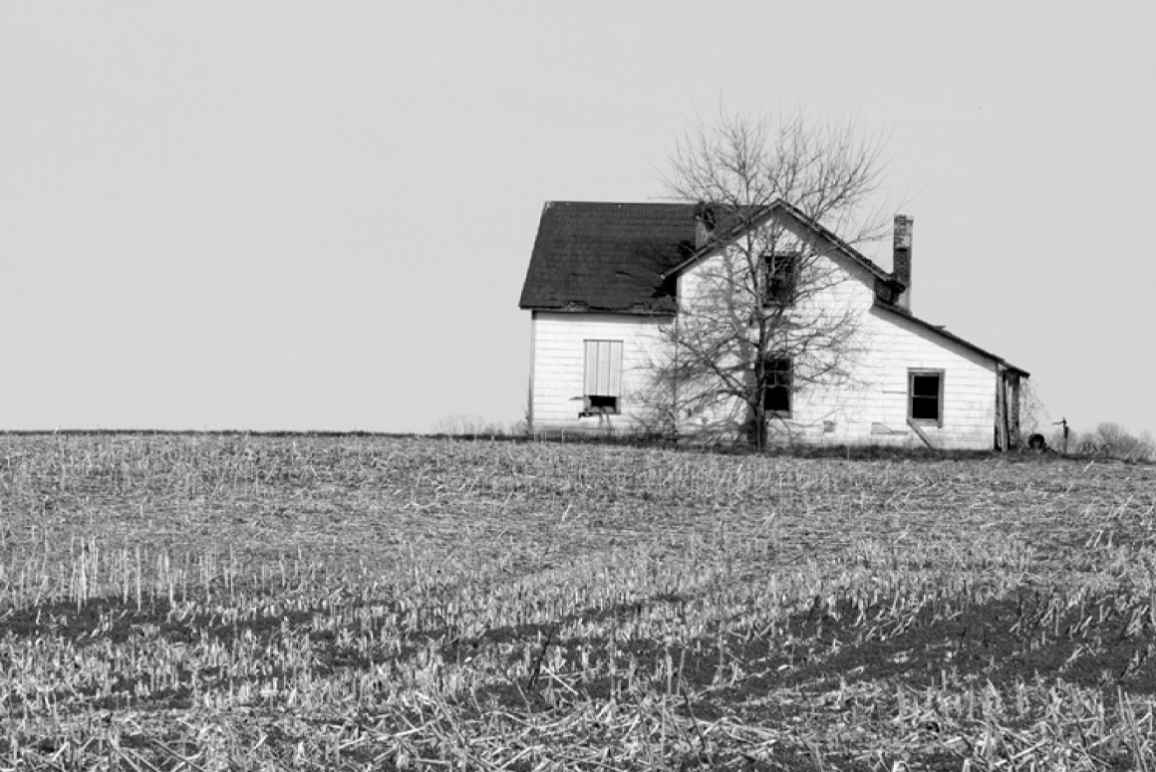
point(571, 308)
point(998, 360)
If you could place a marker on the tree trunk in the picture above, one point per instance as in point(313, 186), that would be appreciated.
point(757, 427)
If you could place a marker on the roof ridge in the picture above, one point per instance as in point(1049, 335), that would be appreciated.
point(765, 211)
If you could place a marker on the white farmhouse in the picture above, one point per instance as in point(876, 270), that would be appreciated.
point(607, 281)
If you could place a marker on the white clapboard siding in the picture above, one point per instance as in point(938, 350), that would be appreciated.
point(559, 373)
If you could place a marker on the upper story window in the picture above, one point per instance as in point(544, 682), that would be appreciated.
point(781, 278)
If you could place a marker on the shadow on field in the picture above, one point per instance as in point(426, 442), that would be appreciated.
point(1103, 641)
point(114, 620)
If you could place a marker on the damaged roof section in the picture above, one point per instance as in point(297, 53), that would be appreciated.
point(597, 256)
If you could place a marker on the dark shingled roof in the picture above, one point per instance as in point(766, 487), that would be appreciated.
point(601, 256)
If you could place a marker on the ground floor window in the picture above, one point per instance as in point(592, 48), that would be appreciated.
point(925, 396)
point(602, 377)
point(777, 386)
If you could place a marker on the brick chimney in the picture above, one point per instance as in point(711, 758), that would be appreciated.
point(901, 258)
point(704, 222)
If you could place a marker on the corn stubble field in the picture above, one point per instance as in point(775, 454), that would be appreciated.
point(214, 602)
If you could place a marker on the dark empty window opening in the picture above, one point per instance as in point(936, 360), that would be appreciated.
point(601, 403)
point(925, 396)
point(777, 386)
point(782, 278)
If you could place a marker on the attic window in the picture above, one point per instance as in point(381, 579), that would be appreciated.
point(781, 278)
point(925, 396)
point(602, 377)
point(777, 386)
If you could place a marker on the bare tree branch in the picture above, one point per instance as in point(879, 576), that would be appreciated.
point(762, 299)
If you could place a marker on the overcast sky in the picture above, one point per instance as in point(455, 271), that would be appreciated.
point(318, 216)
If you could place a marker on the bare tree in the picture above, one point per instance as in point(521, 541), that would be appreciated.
point(752, 328)
point(1114, 441)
